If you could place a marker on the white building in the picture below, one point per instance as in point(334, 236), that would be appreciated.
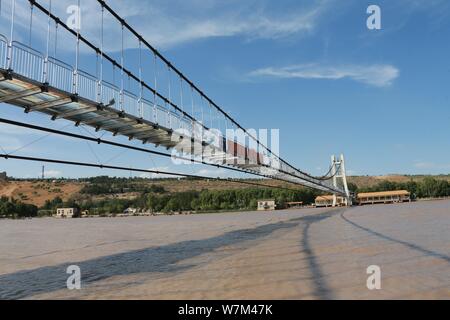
point(67, 213)
point(327, 201)
point(266, 205)
point(396, 196)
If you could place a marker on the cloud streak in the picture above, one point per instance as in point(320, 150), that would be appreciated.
point(431, 166)
point(196, 20)
point(167, 24)
point(378, 75)
point(149, 175)
point(51, 174)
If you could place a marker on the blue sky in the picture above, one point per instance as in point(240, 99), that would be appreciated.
point(309, 68)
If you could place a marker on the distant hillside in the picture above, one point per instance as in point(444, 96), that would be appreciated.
point(37, 192)
point(370, 181)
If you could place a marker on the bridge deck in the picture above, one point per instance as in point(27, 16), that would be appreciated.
point(34, 97)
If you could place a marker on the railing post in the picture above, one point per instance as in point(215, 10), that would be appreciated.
point(210, 116)
point(98, 87)
point(193, 112)
point(141, 88)
point(168, 114)
point(181, 103)
point(155, 110)
point(75, 81)
point(168, 109)
point(121, 73)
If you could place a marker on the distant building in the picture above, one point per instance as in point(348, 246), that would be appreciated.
point(3, 176)
point(295, 204)
point(266, 205)
point(384, 197)
point(130, 211)
point(327, 201)
point(67, 213)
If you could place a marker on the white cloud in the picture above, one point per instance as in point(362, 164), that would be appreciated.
point(195, 20)
point(8, 143)
point(430, 165)
point(376, 75)
point(10, 130)
point(51, 174)
point(157, 176)
point(169, 23)
point(187, 169)
point(213, 173)
point(352, 173)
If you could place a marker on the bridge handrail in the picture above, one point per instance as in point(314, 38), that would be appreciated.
point(3, 51)
point(109, 92)
point(60, 74)
point(130, 98)
point(87, 75)
point(60, 63)
point(110, 85)
point(31, 68)
point(20, 45)
point(90, 91)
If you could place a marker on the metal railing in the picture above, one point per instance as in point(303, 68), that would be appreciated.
point(130, 103)
point(147, 110)
point(109, 92)
point(161, 116)
point(87, 85)
point(3, 51)
point(27, 62)
point(60, 75)
point(31, 64)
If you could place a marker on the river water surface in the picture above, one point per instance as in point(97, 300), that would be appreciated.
point(295, 254)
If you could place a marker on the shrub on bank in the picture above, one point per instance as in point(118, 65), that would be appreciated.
point(12, 208)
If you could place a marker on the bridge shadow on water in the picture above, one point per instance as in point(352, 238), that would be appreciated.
point(321, 288)
point(162, 259)
point(409, 245)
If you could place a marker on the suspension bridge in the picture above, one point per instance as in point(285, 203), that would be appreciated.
point(142, 97)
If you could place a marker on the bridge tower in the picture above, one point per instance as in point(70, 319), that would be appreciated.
point(340, 179)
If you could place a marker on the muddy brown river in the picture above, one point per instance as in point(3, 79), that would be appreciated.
point(295, 254)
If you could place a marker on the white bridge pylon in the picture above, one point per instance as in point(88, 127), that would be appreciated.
point(339, 178)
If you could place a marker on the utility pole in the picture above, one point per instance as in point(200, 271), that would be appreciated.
point(43, 172)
